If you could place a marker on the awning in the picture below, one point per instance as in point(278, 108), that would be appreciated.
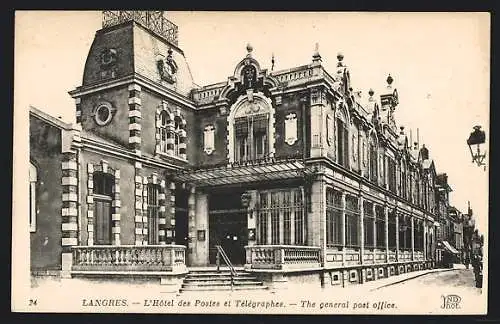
point(450, 247)
point(269, 170)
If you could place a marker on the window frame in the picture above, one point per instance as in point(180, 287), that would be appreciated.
point(33, 179)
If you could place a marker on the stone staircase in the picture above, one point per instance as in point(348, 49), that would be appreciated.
point(211, 280)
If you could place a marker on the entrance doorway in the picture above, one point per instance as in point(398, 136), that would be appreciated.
point(228, 229)
point(181, 217)
point(227, 225)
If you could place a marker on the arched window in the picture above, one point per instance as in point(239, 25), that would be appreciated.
point(404, 179)
point(342, 138)
point(171, 133)
point(103, 192)
point(177, 135)
point(373, 148)
point(33, 175)
point(163, 131)
point(251, 129)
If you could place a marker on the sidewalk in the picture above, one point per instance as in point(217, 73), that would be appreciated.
point(381, 283)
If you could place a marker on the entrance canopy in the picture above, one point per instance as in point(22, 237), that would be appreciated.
point(244, 172)
point(450, 247)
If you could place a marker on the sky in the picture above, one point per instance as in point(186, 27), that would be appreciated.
point(439, 62)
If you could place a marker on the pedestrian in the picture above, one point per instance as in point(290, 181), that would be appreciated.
point(467, 260)
point(477, 265)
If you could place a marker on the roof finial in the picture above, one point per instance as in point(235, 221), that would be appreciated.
point(316, 55)
point(272, 61)
point(249, 49)
point(340, 58)
point(389, 81)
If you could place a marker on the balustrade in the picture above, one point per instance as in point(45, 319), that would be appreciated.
point(159, 258)
point(282, 257)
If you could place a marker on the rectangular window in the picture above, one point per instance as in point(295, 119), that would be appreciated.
point(163, 140)
point(275, 218)
point(262, 220)
point(352, 222)
point(391, 226)
point(391, 165)
point(408, 234)
point(380, 227)
point(32, 206)
point(283, 210)
point(333, 218)
point(102, 218)
point(298, 210)
point(153, 211)
point(368, 224)
point(373, 163)
point(287, 221)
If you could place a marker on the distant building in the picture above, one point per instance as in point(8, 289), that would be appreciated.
point(291, 170)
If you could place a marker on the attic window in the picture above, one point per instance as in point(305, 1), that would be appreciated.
point(103, 114)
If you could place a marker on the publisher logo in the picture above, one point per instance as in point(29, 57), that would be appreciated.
point(451, 301)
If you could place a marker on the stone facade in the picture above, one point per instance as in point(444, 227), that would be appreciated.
point(289, 171)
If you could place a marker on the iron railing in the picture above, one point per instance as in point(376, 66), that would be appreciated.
point(225, 258)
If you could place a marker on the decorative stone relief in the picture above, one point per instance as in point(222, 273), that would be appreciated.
point(330, 129)
point(209, 139)
point(291, 128)
point(167, 68)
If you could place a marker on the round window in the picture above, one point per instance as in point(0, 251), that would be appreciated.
point(103, 114)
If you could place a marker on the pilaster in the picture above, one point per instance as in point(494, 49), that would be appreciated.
point(191, 225)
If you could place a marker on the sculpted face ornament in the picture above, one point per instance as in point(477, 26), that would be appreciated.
point(249, 75)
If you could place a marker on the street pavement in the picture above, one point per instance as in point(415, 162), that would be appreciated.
point(445, 280)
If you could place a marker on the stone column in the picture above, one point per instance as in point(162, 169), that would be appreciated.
point(200, 255)
point(361, 229)
point(361, 239)
point(386, 232)
point(374, 213)
point(425, 239)
point(397, 236)
point(191, 226)
point(412, 238)
point(342, 227)
point(317, 217)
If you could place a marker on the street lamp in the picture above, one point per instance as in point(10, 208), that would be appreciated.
point(477, 138)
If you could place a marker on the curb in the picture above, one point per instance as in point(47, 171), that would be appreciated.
point(410, 278)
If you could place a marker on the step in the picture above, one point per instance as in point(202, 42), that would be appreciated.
point(208, 288)
point(222, 283)
point(219, 279)
point(217, 275)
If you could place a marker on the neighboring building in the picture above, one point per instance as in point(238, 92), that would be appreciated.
point(456, 237)
point(288, 170)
